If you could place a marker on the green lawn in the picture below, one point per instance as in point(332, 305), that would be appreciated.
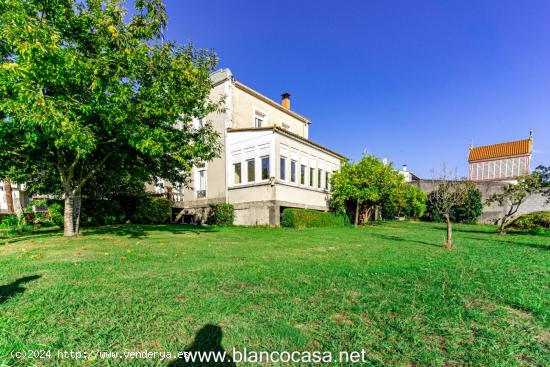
point(389, 289)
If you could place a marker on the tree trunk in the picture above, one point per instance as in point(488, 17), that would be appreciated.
point(449, 241)
point(76, 212)
point(68, 215)
point(502, 227)
point(9, 196)
point(356, 213)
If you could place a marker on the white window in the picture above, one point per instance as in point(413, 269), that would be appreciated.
point(260, 119)
point(200, 184)
point(251, 170)
point(282, 169)
point(237, 171)
point(265, 168)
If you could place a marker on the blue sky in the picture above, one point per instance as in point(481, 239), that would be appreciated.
point(413, 81)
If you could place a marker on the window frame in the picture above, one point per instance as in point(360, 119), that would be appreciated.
point(240, 173)
point(248, 166)
point(262, 159)
point(282, 168)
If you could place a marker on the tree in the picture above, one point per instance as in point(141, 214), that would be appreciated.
point(363, 186)
point(90, 93)
point(449, 193)
point(8, 191)
point(544, 173)
point(408, 201)
point(513, 196)
point(468, 211)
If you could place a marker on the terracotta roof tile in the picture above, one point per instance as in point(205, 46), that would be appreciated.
point(501, 150)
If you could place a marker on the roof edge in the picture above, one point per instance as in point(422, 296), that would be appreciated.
point(291, 135)
point(271, 102)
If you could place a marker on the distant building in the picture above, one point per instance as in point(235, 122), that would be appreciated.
point(500, 162)
point(408, 175)
point(20, 198)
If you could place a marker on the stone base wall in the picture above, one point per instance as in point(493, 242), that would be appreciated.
point(534, 203)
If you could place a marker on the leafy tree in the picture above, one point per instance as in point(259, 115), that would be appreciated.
point(468, 211)
point(363, 186)
point(544, 173)
point(93, 94)
point(408, 201)
point(513, 196)
point(449, 193)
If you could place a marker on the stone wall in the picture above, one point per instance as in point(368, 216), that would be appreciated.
point(535, 202)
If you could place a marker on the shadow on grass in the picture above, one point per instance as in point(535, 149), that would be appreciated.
point(512, 239)
point(12, 289)
point(141, 231)
point(23, 236)
point(390, 237)
point(470, 229)
point(207, 342)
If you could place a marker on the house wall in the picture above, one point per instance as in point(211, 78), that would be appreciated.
point(244, 105)
point(20, 199)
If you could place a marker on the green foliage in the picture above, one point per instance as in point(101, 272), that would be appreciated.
point(91, 95)
point(366, 183)
point(152, 210)
point(102, 212)
point(407, 201)
point(221, 214)
point(544, 173)
point(532, 221)
point(304, 218)
point(513, 196)
point(467, 210)
point(10, 221)
point(55, 210)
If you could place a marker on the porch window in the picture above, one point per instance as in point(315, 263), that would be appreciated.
point(293, 170)
point(265, 168)
point(319, 175)
point(311, 176)
point(283, 168)
point(303, 174)
point(251, 169)
point(327, 180)
point(237, 169)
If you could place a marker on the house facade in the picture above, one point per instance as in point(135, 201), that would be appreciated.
point(267, 164)
point(500, 162)
point(20, 199)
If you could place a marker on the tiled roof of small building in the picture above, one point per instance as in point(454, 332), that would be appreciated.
point(502, 150)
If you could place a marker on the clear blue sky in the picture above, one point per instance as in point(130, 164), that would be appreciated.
point(413, 81)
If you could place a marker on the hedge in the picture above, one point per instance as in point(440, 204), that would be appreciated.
point(304, 218)
point(532, 222)
point(221, 215)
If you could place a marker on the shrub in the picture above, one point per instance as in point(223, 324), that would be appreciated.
point(467, 212)
point(408, 201)
point(12, 221)
point(151, 210)
point(303, 218)
point(101, 212)
point(221, 215)
point(534, 222)
point(55, 211)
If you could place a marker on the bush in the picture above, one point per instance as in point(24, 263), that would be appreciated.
point(468, 212)
point(55, 211)
point(303, 218)
point(101, 212)
point(151, 210)
point(11, 221)
point(534, 222)
point(221, 215)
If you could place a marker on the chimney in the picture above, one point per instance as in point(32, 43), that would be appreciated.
point(405, 168)
point(285, 102)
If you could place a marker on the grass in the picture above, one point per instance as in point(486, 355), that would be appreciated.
point(389, 289)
